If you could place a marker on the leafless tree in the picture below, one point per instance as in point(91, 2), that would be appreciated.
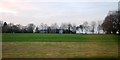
point(42, 26)
point(45, 26)
point(85, 26)
point(1, 24)
point(4, 27)
point(99, 27)
point(74, 28)
point(30, 28)
point(93, 25)
point(36, 30)
point(69, 27)
point(64, 26)
point(54, 26)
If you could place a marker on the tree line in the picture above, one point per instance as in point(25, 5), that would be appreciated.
point(53, 28)
point(110, 25)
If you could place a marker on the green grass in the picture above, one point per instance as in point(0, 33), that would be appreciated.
point(59, 50)
point(57, 38)
point(59, 46)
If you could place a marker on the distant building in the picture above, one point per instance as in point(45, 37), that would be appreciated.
point(60, 31)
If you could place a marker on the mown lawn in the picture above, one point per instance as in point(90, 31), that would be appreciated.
point(59, 46)
point(57, 38)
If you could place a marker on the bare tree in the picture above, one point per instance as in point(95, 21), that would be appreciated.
point(42, 26)
point(93, 24)
point(99, 27)
point(24, 29)
point(49, 30)
point(81, 27)
point(85, 26)
point(73, 28)
point(69, 27)
point(45, 26)
point(36, 30)
point(1, 24)
point(5, 27)
point(30, 28)
point(54, 26)
point(64, 26)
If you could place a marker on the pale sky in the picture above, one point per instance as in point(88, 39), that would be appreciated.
point(55, 11)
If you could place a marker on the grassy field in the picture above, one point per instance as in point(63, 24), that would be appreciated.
point(58, 38)
point(59, 46)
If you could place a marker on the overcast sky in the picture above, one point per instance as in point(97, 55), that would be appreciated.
point(55, 11)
